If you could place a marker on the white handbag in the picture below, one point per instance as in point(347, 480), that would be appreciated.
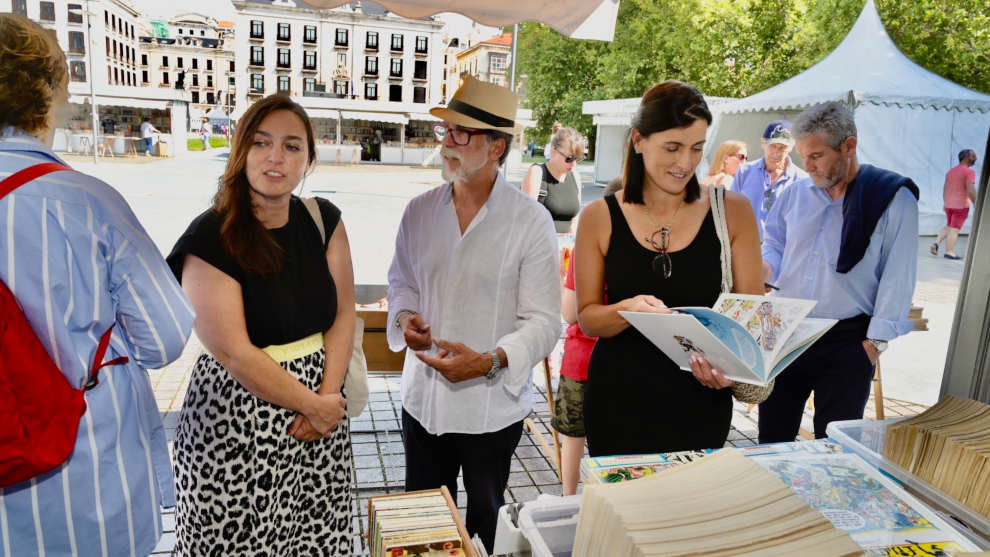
point(355, 388)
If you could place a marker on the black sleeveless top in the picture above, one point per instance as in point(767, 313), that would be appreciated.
point(637, 400)
point(562, 199)
point(298, 301)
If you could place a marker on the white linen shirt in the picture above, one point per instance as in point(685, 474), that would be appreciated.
point(497, 285)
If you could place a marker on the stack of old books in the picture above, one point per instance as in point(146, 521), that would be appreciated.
point(722, 504)
point(948, 446)
point(416, 523)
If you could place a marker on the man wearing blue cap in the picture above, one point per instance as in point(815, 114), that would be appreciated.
point(761, 181)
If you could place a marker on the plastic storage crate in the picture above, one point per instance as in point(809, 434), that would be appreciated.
point(866, 438)
point(550, 525)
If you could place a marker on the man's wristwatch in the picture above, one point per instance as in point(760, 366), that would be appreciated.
point(880, 345)
point(399, 314)
point(496, 365)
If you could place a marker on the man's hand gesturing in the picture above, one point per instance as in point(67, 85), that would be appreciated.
point(416, 331)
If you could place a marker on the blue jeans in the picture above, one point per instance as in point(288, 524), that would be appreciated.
point(148, 142)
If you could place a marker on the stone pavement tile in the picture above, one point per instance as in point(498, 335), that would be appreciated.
point(544, 477)
point(519, 479)
point(539, 463)
point(523, 493)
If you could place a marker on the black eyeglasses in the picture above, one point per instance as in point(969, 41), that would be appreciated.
point(662, 265)
point(460, 136)
point(740, 156)
point(568, 158)
point(768, 198)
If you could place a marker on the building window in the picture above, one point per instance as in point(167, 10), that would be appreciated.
point(77, 42)
point(210, 99)
point(397, 42)
point(341, 59)
point(231, 81)
point(395, 93)
point(340, 87)
point(144, 60)
point(180, 31)
point(231, 65)
point(309, 60)
point(165, 78)
point(257, 56)
point(195, 97)
point(419, 94)
point(497, 63)
point(164, 58)
point(371, 91)
point(309, 34)
point(396, 70)
point(257, 82)
point(283, 32)
point(309, 84)
point(283, 58)
point(421, 44)
point(144, 76)
point(75, 13)
point(19, 7)
point(195, 80)
point(209, 82)
point(341, 38)
point(257, 29)
point(47, 11)
point(283, 84)
point(179, 62)
point(371, 65)
point(209, 65)
point(371, 40)
point(195, 62)
point(77, 71)
point(419, 70)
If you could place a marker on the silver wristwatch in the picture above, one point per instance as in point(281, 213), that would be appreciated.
point(496, 365)
point(880, 345)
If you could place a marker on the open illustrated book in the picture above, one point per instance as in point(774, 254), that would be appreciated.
point(748, 338)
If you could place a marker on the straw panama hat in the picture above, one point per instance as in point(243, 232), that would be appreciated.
point(481, 105)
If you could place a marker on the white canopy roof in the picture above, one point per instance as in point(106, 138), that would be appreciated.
point(579, 19)
point(388, 117)
point(867, 65)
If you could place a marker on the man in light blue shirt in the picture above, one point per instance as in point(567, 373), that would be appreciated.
point(862, 274)
point(762, 181)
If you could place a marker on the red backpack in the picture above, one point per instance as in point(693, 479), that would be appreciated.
point(39, 409)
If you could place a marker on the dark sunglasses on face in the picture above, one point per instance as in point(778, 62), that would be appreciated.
point(740, 156)
point(568, 158)
point(662, 265)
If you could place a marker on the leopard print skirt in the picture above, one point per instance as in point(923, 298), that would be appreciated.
point(246, 487)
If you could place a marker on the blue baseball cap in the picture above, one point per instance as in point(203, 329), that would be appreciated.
point(779, 131)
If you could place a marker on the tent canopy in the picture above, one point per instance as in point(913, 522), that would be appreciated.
point(579, 19)
point(868, 66)
point(217, 115)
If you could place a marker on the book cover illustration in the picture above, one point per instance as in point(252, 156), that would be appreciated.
point(857, 498)
point(623, 468)
point(929, 549)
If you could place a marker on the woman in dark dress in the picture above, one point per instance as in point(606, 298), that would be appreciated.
point(655, 246)
point(262, 453)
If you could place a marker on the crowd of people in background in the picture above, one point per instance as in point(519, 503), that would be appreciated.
point(482, 275)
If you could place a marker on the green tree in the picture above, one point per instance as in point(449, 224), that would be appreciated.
point(736, 48)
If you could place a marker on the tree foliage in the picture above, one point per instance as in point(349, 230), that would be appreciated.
point(735, 48)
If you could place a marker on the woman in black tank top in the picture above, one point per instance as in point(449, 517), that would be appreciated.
point(654, 245)
point(556, 184)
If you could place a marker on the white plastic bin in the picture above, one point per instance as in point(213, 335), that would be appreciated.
point(550, 523)
point(866, 438)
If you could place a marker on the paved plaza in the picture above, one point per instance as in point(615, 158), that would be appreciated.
point(167, 194)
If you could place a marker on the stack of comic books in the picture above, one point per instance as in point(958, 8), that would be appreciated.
point(721, 504)
point(947, 446)
point(622, 468)
point(421, 523)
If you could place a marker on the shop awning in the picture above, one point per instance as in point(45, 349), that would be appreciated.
point(120, 101)
point(390, 117)
point(323, 113)
point(422, 116)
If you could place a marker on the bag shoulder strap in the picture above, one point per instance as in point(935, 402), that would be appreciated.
point(23, 176)
point(314, 211)
point(717, 196)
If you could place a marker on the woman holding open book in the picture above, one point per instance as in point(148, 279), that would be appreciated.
point(653, 246)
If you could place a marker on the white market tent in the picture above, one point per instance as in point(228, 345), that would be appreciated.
point(909, 119)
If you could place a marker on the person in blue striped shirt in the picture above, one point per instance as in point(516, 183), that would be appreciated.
point(78, 261)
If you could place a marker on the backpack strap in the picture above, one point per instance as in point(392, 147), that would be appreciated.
point(717, 196)
point(23, 176)
point(314, 211)
point(18, 179)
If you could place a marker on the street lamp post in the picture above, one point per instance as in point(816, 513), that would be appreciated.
point(92, 73)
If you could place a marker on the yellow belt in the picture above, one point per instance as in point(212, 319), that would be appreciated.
point(296, 349)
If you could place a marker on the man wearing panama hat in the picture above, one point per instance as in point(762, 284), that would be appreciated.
point(474, 293)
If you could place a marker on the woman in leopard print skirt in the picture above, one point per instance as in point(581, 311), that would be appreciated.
point(262, 452)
